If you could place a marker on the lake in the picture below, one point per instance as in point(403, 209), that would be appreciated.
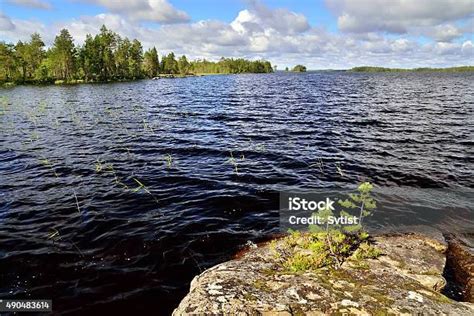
point(114, 196)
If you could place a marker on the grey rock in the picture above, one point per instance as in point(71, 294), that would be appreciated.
point(405, 280)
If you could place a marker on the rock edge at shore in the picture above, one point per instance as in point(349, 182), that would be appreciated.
point(406, 279)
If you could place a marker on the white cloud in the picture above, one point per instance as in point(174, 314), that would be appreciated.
point(467, 48)
point(446, 32)
point(145, 10)
point(6, 23)
point(36, 4)
point(13, 30)
point(259, 17)
point(400, 16)
point(256, 33)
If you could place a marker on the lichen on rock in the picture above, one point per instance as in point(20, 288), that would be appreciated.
point(405, 279)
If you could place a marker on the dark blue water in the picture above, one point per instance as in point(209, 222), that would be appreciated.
point(113, 196)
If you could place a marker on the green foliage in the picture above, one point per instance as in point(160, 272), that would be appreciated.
point(8, 60)
point(151, 63)
point(330, 246)
point(299, 68)
point(323, 215)
point(231, 66)
point(300, 252)
point(169, 65)
point(366, 251)
point(62, 56)
point(103, 57)
point(363, 202)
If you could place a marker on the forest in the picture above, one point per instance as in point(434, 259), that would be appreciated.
point(102, 58)
point(427, 69)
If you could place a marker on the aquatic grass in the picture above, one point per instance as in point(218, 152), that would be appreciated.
point(318, 164)
point(45, 162)
point(257, 147)
point(55, 236)
point(147, 126)
point(98, 165)
point(118, 182)
point(339, 169)
point(41, 107)
point(169, 160)
point(34, 136)
point(143, 187)
point(77, 203)
point(110, 167)
point(233, 162)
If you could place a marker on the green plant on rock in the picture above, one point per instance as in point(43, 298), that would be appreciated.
point(329, 245)
point(310, 251)
point(362, 201)
point(366, 251)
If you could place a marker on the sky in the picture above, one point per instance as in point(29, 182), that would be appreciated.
point(325, 34)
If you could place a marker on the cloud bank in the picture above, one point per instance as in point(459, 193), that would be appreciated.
point(285, 37)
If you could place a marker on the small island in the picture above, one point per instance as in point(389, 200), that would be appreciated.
point(299, 68)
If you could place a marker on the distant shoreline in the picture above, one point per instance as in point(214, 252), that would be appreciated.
point(386, 69)
point(362, 69)
point(421, 69)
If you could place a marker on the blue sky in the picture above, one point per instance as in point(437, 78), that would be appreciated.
point(321, 34)
point(314, 10)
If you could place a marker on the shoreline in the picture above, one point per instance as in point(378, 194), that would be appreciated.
point(412, 265)
point(10, 84)
point(363, 69)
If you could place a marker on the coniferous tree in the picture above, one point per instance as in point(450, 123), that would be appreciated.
point(169, 65)
point(183, 65)
point(103, 57)
point(62, 56)
point(151, 63)
point(136, 59)
point(122, 57)
point(8, 69)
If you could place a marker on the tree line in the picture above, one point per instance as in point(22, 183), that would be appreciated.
point(104, 57)
point(422, 69)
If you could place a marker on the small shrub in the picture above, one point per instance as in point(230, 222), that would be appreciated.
point(366, 251)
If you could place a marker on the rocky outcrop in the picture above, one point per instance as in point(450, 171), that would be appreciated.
point(405, 280)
